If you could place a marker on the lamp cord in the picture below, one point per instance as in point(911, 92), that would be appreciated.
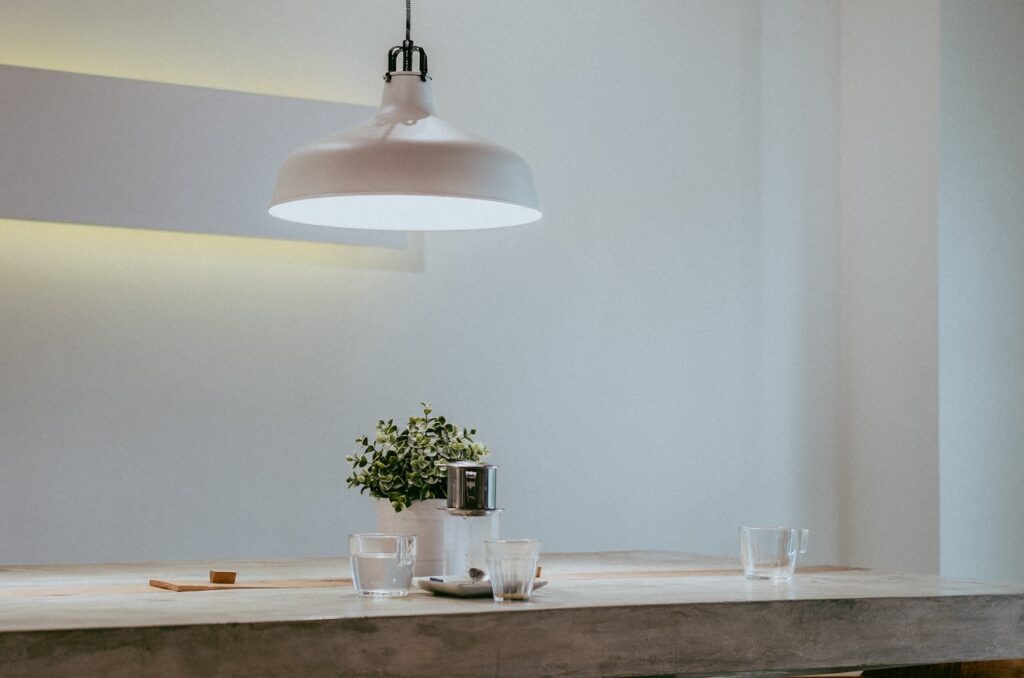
point(406, 49)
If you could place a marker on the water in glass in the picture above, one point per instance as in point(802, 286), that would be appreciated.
point(382, 564)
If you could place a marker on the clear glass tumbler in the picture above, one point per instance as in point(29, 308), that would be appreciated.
point(770, 552)
point(512, 565)
point(382, 563)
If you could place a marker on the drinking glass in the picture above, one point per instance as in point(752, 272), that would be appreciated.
point(382, 563)
point(770, 552)
point(512, 566)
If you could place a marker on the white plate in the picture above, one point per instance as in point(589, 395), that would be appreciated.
point(463, 588)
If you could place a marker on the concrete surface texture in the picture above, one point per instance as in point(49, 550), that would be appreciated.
point(632, 613)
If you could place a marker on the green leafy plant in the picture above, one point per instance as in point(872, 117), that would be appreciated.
point(411, 464)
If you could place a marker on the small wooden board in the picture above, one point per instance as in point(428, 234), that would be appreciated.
point(272, 584)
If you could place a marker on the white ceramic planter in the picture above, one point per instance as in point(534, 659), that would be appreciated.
point(425, 519)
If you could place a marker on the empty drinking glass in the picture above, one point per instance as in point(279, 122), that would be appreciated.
point(382, 563)
point(512, 566)
point(770, 552)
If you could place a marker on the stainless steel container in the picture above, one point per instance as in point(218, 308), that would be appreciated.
point(472, 518)
point(471, 486)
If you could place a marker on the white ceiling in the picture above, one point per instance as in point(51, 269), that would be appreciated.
point(319, 49)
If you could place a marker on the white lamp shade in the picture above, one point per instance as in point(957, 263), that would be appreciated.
point(406, 169)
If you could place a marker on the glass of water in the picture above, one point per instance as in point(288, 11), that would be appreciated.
point(770, 552)
point(512, 565)
point(382, 563)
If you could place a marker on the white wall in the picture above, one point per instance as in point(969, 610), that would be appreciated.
point(889, 373)
point(728, 315)
point(981, 289)
point(183, 397)
point(799, 245)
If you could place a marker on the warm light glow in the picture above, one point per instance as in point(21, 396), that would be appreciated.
point(54, 246)
point(405, 212)
point(306, 50)
point(175, 77)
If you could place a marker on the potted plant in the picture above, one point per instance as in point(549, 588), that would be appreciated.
point(407, 472)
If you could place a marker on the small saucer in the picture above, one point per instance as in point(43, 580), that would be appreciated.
point(462, 588)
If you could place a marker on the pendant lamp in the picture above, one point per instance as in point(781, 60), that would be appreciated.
point(406, 169)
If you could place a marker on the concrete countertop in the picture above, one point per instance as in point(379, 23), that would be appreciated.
point(618, 613)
